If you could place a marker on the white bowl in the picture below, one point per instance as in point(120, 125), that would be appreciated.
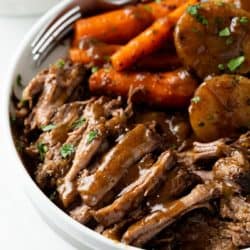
point(78, 235)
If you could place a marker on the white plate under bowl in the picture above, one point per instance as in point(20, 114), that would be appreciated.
point(78, 235)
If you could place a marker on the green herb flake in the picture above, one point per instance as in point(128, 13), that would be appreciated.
point(78, 123)
point(220, 3)
point(107, 70)
point(19, 80)
point(42, 149)
point(12, 119)
point(221, 66)
point(53, 196)
point(194, 30)
point(235, 63)
point(193, 10)
point(23, 102)
point(244, 20)
point(48, 127)
point(106, 58)
point(229, 41)
point(225, 32)
point(67, 150)
point(94, 69)
point(92, 136)
point(147, 8)
point(196, 99)
point(60, 64)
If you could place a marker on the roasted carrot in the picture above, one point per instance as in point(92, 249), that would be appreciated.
point(142, 45)
point(169, 89)
point(117, 26)
point(148, 41)
point(159, 62)
point(164, 7)
point(94, 55)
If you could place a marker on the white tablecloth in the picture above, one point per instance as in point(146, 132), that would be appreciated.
point(20, 226)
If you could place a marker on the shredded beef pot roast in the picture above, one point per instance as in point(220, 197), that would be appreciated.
point(149, 173)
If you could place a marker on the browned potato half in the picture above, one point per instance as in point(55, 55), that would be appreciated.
point(220, 107)
point(214, 38)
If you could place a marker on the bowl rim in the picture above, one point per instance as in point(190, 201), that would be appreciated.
point(71, 227)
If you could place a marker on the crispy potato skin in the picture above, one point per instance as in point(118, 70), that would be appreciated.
point(169, 89)
point(221, 107)
point(200, 46)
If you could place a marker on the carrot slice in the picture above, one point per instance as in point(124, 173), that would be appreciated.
point(94, 55)
point(169, 89)
point(117, 26)
point(148, 41)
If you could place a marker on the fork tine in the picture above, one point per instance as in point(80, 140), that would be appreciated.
point(54, 27)
point(39, 58)
point(56, 35)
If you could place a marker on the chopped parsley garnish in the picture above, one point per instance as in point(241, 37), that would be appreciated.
point(48, 127)
point(12, 119)
point(195, 30)
point(60, 64)
point(235, 63)
point(147, 8)
point(23, 102)
point(92, 136)
point(78, 123)
point(107, 70)
point(220, 3)
point(94, 69)
point(221, 66)
point(225, 32)
point(244, 20)
point(106, 58)
point(67, 150)
point(19, 80)
point(196, 99)
point(193, 10)
point(42, 149)
point(229, 41)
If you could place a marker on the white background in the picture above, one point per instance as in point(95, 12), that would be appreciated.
point(20, 226)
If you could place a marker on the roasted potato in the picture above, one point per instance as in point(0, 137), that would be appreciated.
point(214, 38)
point(220, 107)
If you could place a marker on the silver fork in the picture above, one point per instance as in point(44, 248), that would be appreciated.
point(61, 25)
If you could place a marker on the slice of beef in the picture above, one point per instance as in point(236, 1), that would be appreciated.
point(115, 232)
point(63, 122)
point(35, 86)
point(85, 151)
point(197, 230)
point(134, 145)
point(235, 208)
point(203, 151)
point(55, 166)
point(144, 230)
point(132, 196)
point(81, 213)
point(233, 172)
point(178, 182)
point(59, 84)
point(238, 233)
